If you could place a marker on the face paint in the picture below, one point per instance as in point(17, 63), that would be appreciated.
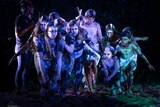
point(109, 33)
point(125, 40)
point(52, 32)
point(108, 53)
point(74, 30)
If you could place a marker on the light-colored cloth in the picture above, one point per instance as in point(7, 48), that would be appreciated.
point(77, 54)
point(91, 54)
point(125, 62)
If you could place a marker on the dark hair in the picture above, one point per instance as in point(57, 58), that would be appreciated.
point(49, 24)
point(53, 15)
point(90, 13)
point(24, 4)
point(45, 18)
point(126, 34)
point(127, 31)
point(62, 31)
point(111, 48)
point(73, 22)
point(110, 27)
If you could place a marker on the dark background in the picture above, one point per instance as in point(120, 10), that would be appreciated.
point(142, 15)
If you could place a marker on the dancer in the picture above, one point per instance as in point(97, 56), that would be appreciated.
point(110, 67)
point(128, 52)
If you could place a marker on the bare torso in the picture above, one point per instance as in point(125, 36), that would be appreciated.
point(93, 31)
point(127, 51)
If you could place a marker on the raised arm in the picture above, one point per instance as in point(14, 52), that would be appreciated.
point(62, 21)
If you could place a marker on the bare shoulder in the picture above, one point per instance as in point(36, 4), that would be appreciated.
point(96, 23)
point(132, 45)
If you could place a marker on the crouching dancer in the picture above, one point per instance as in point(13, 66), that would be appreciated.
point(110, 67)
point(48, 49)
point(128, 52)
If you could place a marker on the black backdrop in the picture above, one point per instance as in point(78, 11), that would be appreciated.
point(142, 15)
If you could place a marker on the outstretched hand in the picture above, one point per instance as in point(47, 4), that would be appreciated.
point(151, 68)
point(144, 38)
point(79, 11)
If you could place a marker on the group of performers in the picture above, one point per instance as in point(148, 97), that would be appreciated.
point(60, 48)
